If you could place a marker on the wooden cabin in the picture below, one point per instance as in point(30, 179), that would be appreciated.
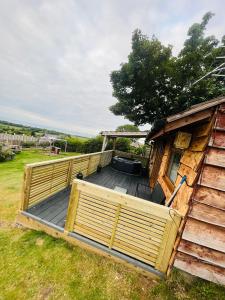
point(192, 143)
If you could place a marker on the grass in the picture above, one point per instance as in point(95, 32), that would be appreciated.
point(34, 265)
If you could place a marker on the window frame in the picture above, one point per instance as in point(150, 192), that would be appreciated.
point(170, 184)
point(169, 164)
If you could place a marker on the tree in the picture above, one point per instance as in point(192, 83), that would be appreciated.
point(127, 127)
point(154, 84)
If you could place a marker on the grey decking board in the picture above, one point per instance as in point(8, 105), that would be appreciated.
point(48, 202)
point(54, 208)
point(60, 215)
point(51, 207)
point(110, 178)
point(53, 213)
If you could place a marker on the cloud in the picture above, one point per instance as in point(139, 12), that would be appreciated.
point(56, 56)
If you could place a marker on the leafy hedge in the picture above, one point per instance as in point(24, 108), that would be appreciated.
point(92, 145)
point(6, 154)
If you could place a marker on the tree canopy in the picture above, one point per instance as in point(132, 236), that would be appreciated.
point(154, 84)
point(127, 127)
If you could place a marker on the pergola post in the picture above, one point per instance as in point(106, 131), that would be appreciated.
point(114, 144)
point(105, 142)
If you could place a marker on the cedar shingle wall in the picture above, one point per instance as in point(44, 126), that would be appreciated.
point(201, 251)
point(189, 165)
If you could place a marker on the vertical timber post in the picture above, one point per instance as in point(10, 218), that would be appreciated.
point(72, 208)
point(70, 170)
point(114, 144)
point(26, 188)
point(104, 144)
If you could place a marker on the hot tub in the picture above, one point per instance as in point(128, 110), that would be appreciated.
point(127, 165)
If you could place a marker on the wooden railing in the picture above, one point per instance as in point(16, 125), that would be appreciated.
point(47, 178)
point(135, 227)
point(144, 160)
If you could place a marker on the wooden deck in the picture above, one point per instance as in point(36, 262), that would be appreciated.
point(111, 178)
point(54, 208)
point(126, 228)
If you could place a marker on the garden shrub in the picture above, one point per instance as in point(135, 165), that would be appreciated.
point(28, 144)
point(6, 154)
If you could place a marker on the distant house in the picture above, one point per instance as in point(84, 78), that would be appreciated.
point(48, 138)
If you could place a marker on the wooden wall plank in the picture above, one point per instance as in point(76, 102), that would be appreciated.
point(155, 163)
point(204, 234)
point(208, 214)
point(213, 177)
point(192, 159)
point(215, 157)
point(210, 197)
point(165, 187)
point(198, 268)
point(182, 198)
point(204, 253)
point(199, 144)
point(204, 129)
point(187, 171)
point(220, 120)
point(217, 139)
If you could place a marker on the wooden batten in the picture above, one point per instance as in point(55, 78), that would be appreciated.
point(192, 159)
point(181, 201)
point(217, 139)
point(220, 119)
point(204, 234)
point(200, 268)
point(213, 177)
point(215, 157)
point(202, 115)
point(201, 252)
point(199, 143)
point(208, 214)
point(189, 172)
point(210, 197)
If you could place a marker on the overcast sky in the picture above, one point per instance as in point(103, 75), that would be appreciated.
point(56, 55)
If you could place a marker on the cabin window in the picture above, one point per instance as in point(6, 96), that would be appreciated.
point(173, 165)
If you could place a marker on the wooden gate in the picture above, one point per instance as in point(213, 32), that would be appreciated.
point(130, 225)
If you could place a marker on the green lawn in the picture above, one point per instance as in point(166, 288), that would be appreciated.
point(34, 265)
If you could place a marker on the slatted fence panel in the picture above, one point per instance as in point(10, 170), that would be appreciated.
point(47, 178)
point(140, 229)
point(106, 158)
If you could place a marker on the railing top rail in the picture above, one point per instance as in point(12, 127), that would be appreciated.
point(128, 200)
point(49, 162)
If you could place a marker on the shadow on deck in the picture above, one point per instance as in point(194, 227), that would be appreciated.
point(54, 209)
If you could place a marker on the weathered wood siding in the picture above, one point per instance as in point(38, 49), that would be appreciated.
point(190, 163)
point(201, 251)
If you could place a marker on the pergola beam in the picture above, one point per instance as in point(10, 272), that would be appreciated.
point(127, 134)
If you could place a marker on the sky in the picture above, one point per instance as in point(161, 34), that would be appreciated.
point(56, 55)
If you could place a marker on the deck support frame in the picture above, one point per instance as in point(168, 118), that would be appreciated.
point(32, 222)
